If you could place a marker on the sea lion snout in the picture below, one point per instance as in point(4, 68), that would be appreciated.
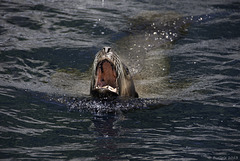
point(107, 52)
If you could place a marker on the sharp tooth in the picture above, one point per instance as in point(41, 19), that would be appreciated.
point(109, 88)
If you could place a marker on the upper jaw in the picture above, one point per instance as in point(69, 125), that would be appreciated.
point(105, 89)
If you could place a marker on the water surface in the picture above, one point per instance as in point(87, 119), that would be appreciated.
point(194, 117)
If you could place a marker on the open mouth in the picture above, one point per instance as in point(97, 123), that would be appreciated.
point(106, 78)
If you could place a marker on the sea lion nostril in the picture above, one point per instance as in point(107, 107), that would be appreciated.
point(107, 49)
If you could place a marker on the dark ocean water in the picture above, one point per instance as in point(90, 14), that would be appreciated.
point(196, 117)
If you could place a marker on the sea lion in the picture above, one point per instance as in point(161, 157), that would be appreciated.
point(110, 76)
point(143, 47)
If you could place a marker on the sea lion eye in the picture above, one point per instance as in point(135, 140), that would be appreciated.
point(127, 71)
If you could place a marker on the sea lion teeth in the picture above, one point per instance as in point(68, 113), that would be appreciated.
point(110, 88)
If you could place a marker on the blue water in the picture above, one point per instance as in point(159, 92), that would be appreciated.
point(195, 116)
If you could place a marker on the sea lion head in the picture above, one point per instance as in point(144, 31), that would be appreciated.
point(110, 77)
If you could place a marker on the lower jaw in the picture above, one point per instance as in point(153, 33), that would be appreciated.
point(103, 93)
